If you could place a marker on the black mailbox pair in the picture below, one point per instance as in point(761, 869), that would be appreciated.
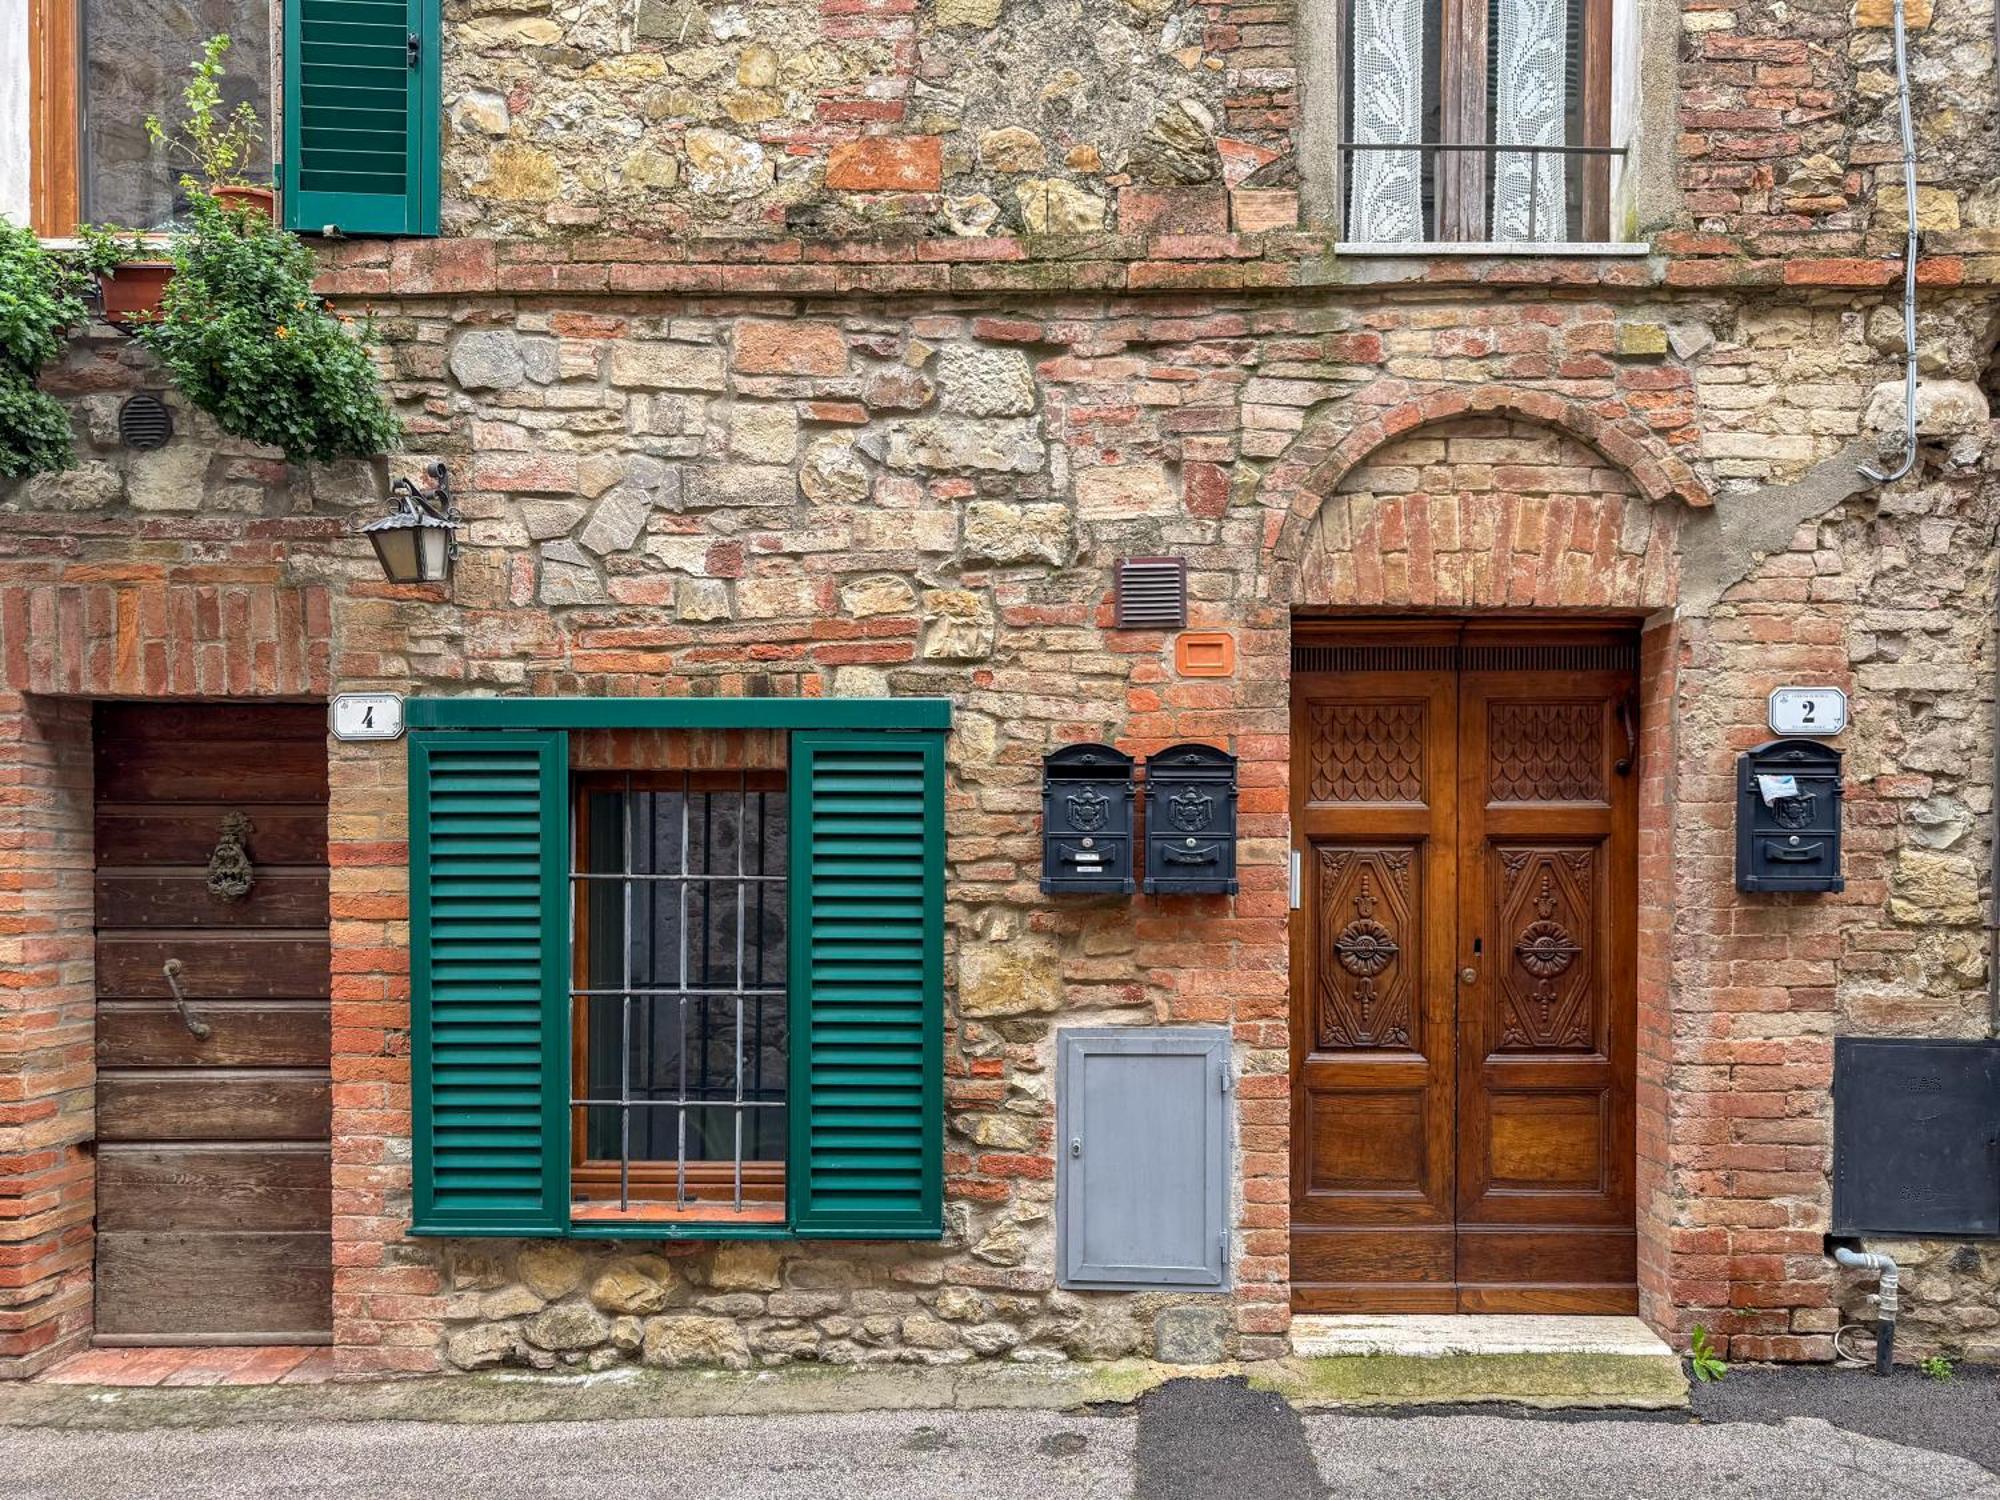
point(1087, 833)
point(1788, 818)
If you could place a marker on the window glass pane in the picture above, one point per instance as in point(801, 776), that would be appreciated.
point(683, 980)
point(137, 56)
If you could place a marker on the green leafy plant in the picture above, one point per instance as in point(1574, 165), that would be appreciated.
point(245, 338)
point(102, 248)
point(1937, 1367)
point(214, 145)
point(1702, 1358)
point(39, 306)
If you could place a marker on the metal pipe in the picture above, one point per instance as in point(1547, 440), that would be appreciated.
point(1993, 850)
point(1885, 1300)
point(1909, 263)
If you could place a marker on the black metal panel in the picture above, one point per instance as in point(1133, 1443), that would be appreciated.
point(1087, 820)
point(1792, 843)
point(1916, 1136)
point(1191, 821)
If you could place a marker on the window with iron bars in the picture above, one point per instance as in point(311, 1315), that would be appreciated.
point(681, 989)
point(1476, 120)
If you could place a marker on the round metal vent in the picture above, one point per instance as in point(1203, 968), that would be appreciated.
point(145, 423)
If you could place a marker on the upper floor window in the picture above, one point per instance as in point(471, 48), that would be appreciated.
point(1477, 120)
point(100, 68)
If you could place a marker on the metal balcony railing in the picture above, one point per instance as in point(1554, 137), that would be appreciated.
point(1460, 202)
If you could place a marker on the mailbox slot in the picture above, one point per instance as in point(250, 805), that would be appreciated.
point(1788, 817)
point(1191, 821)
point(1087, 798)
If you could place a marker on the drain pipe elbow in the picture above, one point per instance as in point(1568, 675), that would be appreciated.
point(1885, 1299)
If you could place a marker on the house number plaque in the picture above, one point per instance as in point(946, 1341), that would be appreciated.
point(1813, 711)
point(367, 716)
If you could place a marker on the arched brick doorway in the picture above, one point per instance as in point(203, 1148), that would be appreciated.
point(1512, 1158)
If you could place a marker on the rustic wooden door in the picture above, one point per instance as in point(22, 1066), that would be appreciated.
point(214, 1204)
point(1464, 809)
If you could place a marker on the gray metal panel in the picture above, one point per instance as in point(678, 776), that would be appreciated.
point(1142, 1173)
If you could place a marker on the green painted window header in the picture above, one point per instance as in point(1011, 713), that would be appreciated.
point(678, 713)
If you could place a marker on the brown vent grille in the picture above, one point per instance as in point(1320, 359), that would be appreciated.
point(1621, 656)
point(1150, 593)
point(144, 423)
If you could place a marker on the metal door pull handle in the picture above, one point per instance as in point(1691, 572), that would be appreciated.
point(196, 1028)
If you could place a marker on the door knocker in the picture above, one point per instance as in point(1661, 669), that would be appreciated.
point(230, 875)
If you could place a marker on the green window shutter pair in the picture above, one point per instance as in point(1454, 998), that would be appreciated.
point(489, 955)
point(362, 106)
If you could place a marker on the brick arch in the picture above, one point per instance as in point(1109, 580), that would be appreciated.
point(1324, 455)
point(1481, 512)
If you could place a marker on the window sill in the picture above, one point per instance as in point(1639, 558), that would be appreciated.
point(1539, 248)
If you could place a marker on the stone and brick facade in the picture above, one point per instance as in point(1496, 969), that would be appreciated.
point(840, 349)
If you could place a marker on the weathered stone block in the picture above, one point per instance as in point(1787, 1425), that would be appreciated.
point(568, 1326)
point(887, 164)
point(1002, 532)
point(761, 347)
point(833, 473)
point(1012, 148)
point(618, 521)
point(1191, 1335)
point(1120, 491)
point(677, 1342)
point(1050, 205)
point(986, 382)
point(550, 1270)
point(711, 485)
point(1019, 977)
point(667, 367)
point(960, 625)
point(746, 1266)
point(1001, 447)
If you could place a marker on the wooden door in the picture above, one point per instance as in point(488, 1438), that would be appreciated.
point(214, 1205)
point(1464, 808)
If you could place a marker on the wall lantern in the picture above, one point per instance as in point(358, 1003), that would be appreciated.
point(1190, 821)
point(415, 544)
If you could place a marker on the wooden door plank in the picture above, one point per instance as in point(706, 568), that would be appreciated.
point(212, 1104)
point(141, 770)
point(180, 897)
point(225, 723)
point(252, 1187)
point(136, 834)
point(227, 1283)
point(249, 965)
point(241, 1034)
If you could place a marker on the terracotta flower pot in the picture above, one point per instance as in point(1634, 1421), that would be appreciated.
point(133, 292)
point(257, 200)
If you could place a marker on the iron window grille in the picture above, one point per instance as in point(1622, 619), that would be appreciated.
point(680, 992)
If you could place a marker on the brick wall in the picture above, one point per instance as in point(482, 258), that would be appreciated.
point(740, 494)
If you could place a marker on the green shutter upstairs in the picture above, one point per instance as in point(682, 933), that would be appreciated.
point(867, 1069)
point(362, 108)
point(489, 955)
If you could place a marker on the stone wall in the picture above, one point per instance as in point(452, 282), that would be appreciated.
point(925, 495)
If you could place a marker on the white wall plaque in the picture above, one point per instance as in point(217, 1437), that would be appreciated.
point(1808, 710)
point(367, 716)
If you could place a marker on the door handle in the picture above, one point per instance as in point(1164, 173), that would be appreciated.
point(197, 1028)
point(1468, 975)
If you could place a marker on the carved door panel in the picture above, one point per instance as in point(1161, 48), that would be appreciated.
point(1462, 959)
point(1374, 815)
point(1548, 820)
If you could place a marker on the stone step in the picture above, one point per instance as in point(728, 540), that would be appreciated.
point(1375, 1359)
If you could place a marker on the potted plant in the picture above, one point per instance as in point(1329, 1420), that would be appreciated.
point(215, 148)
point(244, 337)
point(38, 308)
point(131, 275)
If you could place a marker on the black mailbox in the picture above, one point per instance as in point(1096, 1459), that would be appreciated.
point(1191, 821)
point(1788, 817)
point(1087, 820)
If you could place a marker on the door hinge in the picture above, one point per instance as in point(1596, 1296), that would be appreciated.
point(415, 46)
point(1296, 880)
point(1224, 1080)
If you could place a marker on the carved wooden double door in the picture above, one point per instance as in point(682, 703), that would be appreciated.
point(1464, 813)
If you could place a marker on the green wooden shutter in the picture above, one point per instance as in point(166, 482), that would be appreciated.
point(362, 109)
point(867, 1043)
point(489, 981)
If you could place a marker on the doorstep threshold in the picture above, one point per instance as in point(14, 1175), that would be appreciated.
point(1439, 1336)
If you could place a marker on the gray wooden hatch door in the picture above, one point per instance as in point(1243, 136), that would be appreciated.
point(1143, 1157)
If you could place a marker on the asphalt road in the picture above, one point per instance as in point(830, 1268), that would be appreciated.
point(1192, 1440)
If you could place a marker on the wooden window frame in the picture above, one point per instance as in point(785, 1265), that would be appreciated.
point(652, 1184)
point(1463, 177)
point(55, 121)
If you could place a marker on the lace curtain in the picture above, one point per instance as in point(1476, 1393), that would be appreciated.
point(1529, 105)
point(1386, 193)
